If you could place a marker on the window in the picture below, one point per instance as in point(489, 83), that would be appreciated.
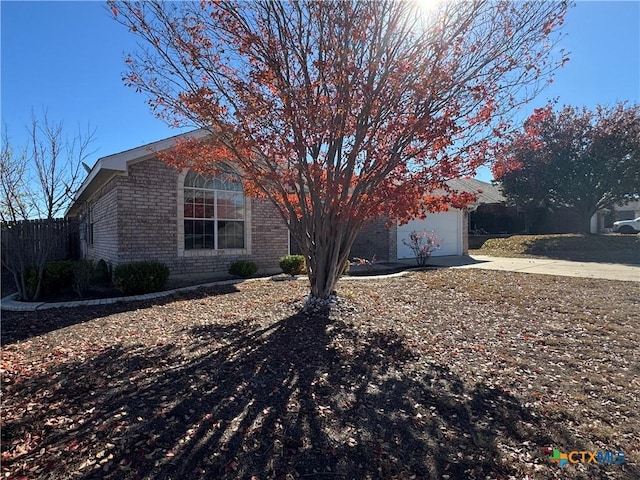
point(214, 212)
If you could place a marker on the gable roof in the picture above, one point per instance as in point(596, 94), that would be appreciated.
point(107, 167)
point(487, 192)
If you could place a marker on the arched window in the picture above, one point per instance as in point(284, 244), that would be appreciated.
point(214, 212)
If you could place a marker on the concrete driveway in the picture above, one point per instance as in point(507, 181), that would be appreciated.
point(609, 271)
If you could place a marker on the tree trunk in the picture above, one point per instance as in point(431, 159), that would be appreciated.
point(326, 256)
point(18, 280)
point(40, 273)
point(325, 269)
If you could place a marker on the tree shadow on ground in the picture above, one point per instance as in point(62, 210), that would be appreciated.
point(18, 326)
point(621, 249)
point(302, 398)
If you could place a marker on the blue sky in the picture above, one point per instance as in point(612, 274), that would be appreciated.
point(68, 58)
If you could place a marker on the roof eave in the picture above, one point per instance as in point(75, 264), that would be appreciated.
point(107, 167)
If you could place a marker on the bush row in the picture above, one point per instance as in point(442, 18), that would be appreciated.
point(136, 277)
point(81, 275)
point(289, 264)
point(69, 275)
point(296, 265)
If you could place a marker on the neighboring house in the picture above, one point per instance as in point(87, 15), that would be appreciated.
point(628, 211)
point(133, 207)
point(491, 214)
point(566, 220)
point(602, 221)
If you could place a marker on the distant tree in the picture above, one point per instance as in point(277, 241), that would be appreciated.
point(37, 182)
point(339, 111)
point(576, 158)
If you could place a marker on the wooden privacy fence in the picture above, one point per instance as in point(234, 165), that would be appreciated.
point(58, 239)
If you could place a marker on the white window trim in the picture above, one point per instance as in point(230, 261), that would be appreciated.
point(205, 252)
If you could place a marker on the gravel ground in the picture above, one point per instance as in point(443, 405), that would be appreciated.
point(447, 374)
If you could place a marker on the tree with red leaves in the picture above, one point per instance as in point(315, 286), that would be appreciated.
point(576, 158)
point(339, 111)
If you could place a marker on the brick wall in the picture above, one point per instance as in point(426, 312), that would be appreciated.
point(147, 213)
point(393, 243)
point(270, 235)
point(139, 219)
point(375, 238)
point(105, 224)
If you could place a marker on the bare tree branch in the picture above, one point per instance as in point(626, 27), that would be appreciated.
point(37, 184)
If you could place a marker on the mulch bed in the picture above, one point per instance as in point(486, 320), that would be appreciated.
point(448, 374)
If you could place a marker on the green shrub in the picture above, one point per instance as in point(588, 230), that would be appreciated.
point(140, 277)
point(101, 273)
point(346, 268)
point(243, 268)
point(57, 277)
point(31, 279)
point(83, 273)
point(293, 264)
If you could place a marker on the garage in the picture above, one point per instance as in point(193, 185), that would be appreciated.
point(447, 227)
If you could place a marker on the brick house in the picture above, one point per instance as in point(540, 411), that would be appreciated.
point(133, 207)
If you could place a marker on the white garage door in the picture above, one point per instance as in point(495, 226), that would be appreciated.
point(447, 227)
